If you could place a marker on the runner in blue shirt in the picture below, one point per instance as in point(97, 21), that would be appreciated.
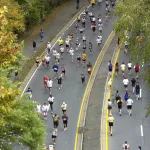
point(55, 69)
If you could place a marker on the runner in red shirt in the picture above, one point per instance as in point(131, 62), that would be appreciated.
point(45, 79)
point(137, 69)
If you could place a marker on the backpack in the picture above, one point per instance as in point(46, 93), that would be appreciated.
point(110, 66)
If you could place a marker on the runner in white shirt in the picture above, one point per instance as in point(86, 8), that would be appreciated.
point(84, 39)
point(48, 47)
point(99, 40)
point(49, 84)
point(123, 67)
point(100, 27)
point(129, 105)
point(129, 67)
point(67, 44)
point(125, 82)
point(54, 53)
point(125, 146)
point(47, 60)
point(51, 147)
point(57, 58)
point(45, 109)
point(51, 101)
point(61, 51)
point(71, 53)
point(38, 108)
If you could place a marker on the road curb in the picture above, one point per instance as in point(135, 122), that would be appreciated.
point(103, 129)
point(78, 143)
point(34, 68)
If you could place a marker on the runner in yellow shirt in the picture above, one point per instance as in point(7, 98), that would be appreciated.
point(93, 3)
point(60, 42)
point(111, 123)
point(83, 57)
point(123, 67)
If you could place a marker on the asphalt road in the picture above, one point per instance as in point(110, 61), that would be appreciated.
point(72, 90)
point(134, 129)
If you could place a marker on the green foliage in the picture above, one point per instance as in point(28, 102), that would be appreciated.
point(134, 18)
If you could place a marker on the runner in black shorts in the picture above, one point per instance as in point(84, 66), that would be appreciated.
point(79, 58)
point(119, 102)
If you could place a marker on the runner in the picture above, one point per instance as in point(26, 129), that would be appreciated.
point(77, 44)
point(123, 67)
point(125, 146)
point(111, 123)
point(93, 26)
point(99, 2)
point(125, 82)
point(54, 135)
point(51, 101)
point(84, 57)
point(93, 3)
point(38, 108)
point(48, 47)
point(45, 109)
point(37, 61)
point(49, 84)
point(126, 96)
point(133, 81)
point(136, 68)
point(116, 69)
point(54, 53)
point(29, 92)
point(59, 79)
point(61, 51)
point(82, 78)
point(99, 40)
point(89, 68)
point(78, 19)
point(65, 121)
point(84, 39)
point(125, 46)
point(137, 91)
point(45, 79)
point(55, 69)
point(60, 42)
point(83, 21)
point(79, 59)
point(71, 53)
point(109, 107)
point(47, 60)
point(119, 102)
point(129, 106)
point(43, 61)
point(110, 83)
point(64, 107)
point(56, 121)
point(129, 67)
point(117, 96)
point(51, 147)
point(100, 27)
point(63, 71)
point(90, 48)
point(67, 45)
point(110, 67)
point(84, 46)
point(58, 57)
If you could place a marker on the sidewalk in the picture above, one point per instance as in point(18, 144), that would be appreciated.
point(54, 27)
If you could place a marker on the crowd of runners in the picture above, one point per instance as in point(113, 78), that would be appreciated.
point(55, 55)
point(129, 70)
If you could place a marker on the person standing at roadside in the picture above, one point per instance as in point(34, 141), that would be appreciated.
point(41, 35)
point(34, 45)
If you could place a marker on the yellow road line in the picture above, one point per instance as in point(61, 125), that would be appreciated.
point(86, 89)
point(113, 72)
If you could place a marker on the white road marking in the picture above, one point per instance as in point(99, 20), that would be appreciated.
point(140, 93)
point(141, 130)
point(41, 62)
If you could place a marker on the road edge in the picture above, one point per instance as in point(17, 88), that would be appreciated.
point(53, 42)
point(104, 116)
point(85, 99)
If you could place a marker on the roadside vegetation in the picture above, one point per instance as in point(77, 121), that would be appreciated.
point(134, 19)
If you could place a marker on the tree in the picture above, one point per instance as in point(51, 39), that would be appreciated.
point(19, 121)
point(11, 20)
point(134, 18)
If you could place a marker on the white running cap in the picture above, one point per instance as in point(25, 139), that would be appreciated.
point(63, 102)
